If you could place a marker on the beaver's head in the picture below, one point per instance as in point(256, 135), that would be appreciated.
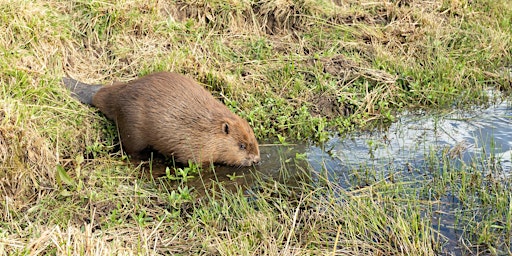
point(235, 143)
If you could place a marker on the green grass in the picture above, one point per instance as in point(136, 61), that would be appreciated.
point(296, 70)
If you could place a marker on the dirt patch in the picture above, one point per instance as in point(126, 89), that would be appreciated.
point(350, 70)
point(340, 66)
point(343, 100)
point(328, 105)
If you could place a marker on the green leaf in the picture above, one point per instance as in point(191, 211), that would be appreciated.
point(63, 177)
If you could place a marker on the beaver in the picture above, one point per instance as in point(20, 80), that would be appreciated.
point(172, 114)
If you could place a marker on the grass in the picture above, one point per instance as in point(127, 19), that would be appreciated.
point(296, 70)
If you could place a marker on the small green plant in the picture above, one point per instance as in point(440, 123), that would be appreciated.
point(142, 218)
point(63, 178)
point(301, 156)
point(183, 174)
point(282, 139)
point(233, 176)
point(182, 195)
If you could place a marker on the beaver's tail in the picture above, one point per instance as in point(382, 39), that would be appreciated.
point(83, 92)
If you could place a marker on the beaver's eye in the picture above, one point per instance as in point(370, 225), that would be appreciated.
point(242, 146)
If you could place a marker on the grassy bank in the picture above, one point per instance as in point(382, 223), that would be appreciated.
point(293, 69)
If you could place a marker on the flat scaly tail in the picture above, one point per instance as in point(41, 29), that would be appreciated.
point(81, 91)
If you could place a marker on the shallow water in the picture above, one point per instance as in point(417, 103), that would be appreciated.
point(412, 137)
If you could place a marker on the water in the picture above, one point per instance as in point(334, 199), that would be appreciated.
point(409, 140)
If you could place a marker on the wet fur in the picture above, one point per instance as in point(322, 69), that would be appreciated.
point(174, 115)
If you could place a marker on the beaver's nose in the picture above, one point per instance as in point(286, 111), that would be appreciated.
point(256, 160)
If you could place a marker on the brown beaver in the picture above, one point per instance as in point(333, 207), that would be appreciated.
point(174, 115)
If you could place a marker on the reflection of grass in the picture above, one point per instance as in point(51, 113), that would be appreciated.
point(294, 69)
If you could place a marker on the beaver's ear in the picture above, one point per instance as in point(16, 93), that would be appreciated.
point(225, 128)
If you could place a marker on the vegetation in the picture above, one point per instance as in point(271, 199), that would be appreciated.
point(296, 69)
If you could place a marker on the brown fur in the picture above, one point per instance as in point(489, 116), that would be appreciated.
point(174, 115)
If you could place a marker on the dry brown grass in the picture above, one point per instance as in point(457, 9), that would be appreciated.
point(28, 162)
